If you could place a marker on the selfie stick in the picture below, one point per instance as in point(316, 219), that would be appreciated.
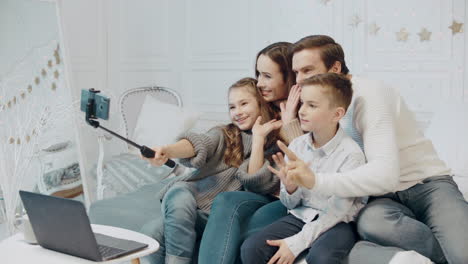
point(90, 119)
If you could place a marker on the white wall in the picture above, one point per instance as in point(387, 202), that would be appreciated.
point(200, 47)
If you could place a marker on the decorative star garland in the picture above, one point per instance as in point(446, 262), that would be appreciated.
point(37, 81)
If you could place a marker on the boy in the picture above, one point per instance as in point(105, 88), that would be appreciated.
point(316, 221)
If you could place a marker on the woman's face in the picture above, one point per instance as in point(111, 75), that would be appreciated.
point(270, 80)
point(243, 108)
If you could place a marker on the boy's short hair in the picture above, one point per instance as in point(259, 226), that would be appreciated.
point(330, 51)
point(339, 87)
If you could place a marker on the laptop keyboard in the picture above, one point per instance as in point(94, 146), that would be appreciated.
point(109, 251)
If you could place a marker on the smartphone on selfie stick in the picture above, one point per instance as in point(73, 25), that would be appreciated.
point(96, 106)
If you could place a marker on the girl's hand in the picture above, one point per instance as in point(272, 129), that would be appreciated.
point(297, 170)
point(160, 157)
point(289, 110)
point(259, 130)
point(282, 172)
point(284, 255)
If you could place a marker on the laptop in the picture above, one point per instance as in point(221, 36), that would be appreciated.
point(62, 225)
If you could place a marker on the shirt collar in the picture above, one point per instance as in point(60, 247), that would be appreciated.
point(331, 145)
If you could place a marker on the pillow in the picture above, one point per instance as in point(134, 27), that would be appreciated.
point(58, 156)
point(160, 123)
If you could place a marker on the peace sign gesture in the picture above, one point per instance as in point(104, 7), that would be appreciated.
point(282, 172)
point(297, 171)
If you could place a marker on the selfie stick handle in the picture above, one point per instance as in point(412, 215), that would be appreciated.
point(145, 151)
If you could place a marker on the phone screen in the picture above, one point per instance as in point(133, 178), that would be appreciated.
point(101, 104)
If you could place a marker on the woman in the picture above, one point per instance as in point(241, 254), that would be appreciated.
point(229, 223)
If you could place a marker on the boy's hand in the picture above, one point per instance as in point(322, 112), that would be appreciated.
point(289, 110)
point(160, 156)
point(297, 170)
point(282, 172)
point(284, 255)
point(262, 130)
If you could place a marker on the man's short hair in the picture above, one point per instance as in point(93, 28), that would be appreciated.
point(330, 51)
point(339, 88)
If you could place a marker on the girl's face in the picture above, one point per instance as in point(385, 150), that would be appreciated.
point(315, 113)
point(270, 80)
point(243, 108)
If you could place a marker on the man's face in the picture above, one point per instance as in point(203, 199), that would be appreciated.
point(307, 63)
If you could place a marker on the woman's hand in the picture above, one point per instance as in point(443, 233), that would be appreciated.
point(297, 170)
point(289, 110)
point(262, 130)
point(282, 172)
point(160, 156)
point(284, 255)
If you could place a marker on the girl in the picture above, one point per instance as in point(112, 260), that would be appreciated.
point(222, 158)
point(222, 239)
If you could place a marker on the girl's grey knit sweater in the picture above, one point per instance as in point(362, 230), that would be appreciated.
point(213, 176)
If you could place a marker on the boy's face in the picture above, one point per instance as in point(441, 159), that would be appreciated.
point(315, 113)
point(307, 63)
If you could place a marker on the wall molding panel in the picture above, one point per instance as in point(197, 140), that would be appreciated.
point(200, 48)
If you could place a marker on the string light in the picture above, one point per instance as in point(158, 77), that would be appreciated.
point(37, 81)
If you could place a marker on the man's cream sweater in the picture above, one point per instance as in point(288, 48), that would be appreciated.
point(398, 155)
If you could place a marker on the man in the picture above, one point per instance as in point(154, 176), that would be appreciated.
point(414, 203)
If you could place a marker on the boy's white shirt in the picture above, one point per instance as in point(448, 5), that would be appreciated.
point(398, 155)
point(340, 154)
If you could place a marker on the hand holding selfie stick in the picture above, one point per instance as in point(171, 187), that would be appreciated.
point(90, 119)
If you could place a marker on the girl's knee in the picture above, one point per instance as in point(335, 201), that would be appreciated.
point(178, 193)
point(179, 200)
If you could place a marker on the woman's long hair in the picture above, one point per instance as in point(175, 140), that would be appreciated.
point(234, 153)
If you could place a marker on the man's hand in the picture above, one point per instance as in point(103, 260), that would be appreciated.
point(160, 157)
point(297, 170)
point(282, 172)
point(284, 255)
point(262, 130)
point(289, 110)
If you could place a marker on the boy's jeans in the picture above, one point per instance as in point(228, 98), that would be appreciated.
point(429, 218)
point(182, 224)
point(331, 247)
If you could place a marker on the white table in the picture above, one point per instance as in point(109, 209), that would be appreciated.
point(14, 250)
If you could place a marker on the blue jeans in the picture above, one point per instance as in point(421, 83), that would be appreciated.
point(429, 218)
point(233, 216)
point(331, 247)
point(182, 224)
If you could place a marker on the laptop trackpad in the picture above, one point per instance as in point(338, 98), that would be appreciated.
point(118, 242)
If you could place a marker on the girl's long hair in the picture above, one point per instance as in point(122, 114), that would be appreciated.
point(234, 153)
